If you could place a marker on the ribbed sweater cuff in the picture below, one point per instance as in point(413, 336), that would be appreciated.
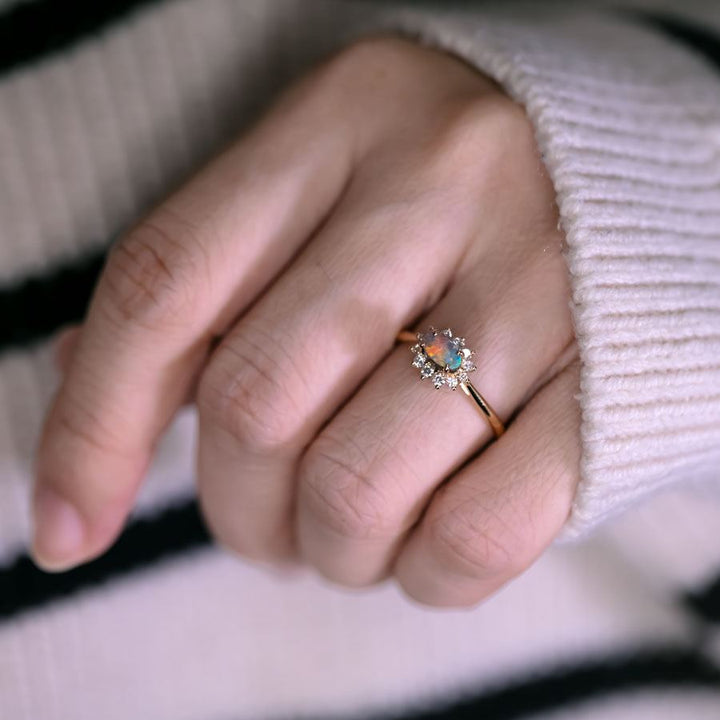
point(628, 123)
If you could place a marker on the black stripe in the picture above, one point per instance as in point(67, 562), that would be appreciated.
point(661, 670)
point(179, 529)
point(176, 530)
point(23, 587)
point(35, 308)
point(701, 39)
point(31, 30)
point(705, 602)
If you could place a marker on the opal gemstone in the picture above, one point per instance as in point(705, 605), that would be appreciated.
point(443, 351)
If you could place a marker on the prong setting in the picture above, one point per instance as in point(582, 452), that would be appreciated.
point(442, 357)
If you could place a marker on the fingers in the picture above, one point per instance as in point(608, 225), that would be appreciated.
point(179, 278)
point(368, 476)
point(494, 518)
point(387, 254)
point(301, 351)
point(189, 270)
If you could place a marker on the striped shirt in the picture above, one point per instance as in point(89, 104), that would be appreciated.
point(105, 106)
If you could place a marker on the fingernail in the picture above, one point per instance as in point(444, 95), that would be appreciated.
point(59, 531)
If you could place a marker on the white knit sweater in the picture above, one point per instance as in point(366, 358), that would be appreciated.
point(629, 129)
point(628, 121)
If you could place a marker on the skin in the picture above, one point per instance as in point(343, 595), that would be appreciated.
point(393, 187)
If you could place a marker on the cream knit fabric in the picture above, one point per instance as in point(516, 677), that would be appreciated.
point(629, 129)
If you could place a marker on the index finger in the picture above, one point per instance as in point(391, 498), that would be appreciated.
point(175, 281)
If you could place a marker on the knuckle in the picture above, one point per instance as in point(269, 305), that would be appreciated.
point(488, 126)
point(76, 430)
point(246, 394)
point(374, 66)
point(341, 494)
point(153, 274)
point(477, 543)
point(369, 53)
point(85, 428)
point(76, 420)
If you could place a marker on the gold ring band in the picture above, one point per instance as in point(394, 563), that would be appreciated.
point(443, 358)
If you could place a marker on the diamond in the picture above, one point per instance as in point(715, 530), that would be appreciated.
point(438, 381)
point(416, 348)
point(419, 360)
point(462, 377)
point(447, 332)
point(427, 370)
point(452, 381)
point(469, 366)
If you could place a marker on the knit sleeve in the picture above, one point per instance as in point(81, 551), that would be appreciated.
point(628, 123)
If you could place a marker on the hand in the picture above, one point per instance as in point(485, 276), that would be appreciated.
point(393, 187)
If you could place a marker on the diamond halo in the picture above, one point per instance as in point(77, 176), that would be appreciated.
point(442, 358)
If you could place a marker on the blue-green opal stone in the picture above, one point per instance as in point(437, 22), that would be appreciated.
point(442, 351)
